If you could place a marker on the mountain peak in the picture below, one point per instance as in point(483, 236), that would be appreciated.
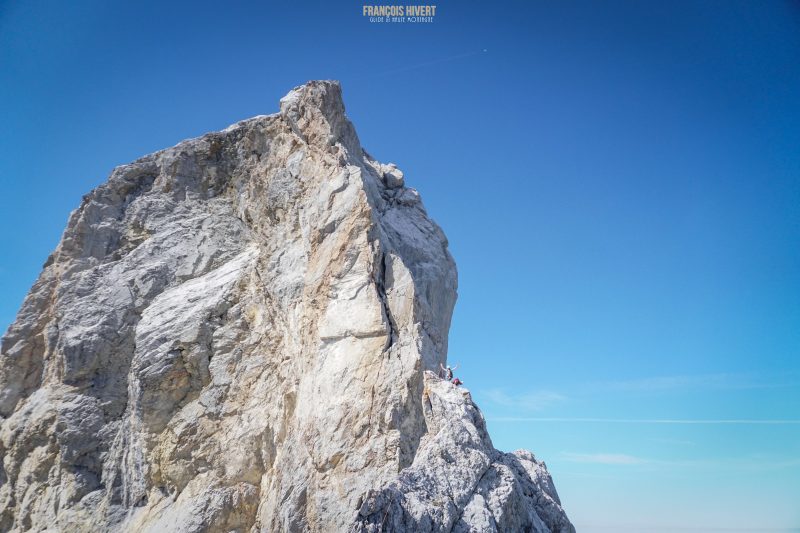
point(316, 112)
point(237, 334)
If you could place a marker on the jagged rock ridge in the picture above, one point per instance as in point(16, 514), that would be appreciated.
point(233, 335)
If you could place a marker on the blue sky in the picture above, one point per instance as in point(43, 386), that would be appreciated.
point(619, 181)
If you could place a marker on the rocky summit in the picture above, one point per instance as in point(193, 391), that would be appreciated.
point(241, 333)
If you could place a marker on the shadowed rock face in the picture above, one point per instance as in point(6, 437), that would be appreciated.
point(233, 335)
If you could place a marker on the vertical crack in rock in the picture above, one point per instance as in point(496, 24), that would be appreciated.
point(380, 282)
point(238, 333)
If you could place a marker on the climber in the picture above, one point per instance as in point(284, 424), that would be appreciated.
point(447, 372)
point(457, 382)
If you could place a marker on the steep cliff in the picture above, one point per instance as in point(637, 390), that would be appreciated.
point(233, 334)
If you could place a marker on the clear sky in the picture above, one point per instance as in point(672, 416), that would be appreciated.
point(619, 181)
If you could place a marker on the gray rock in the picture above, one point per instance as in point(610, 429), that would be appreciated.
point(233, 334)
point(459, 482)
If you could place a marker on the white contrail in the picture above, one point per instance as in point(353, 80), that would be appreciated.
point(650, 420)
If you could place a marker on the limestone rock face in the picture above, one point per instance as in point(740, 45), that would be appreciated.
point(459, 482)
point(233, 335)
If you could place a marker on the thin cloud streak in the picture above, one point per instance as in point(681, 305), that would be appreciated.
point(531, 401)
point(603, 458)
point(688, 421)
point(719, 381)
point(738, 464)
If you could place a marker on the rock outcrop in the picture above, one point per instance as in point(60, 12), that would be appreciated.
point(459, 482)
point(233, 335)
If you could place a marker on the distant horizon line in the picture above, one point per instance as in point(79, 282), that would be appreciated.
point(753, 421)
point(687, 528)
